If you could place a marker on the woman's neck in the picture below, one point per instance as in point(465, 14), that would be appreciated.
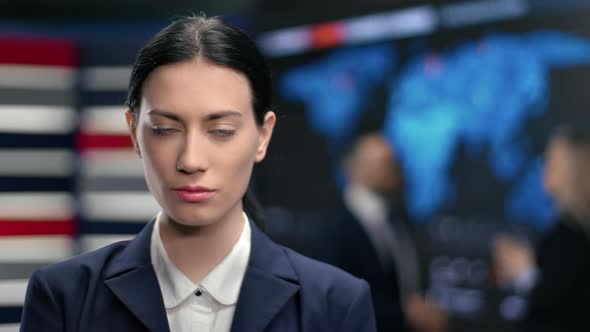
point(197, 250)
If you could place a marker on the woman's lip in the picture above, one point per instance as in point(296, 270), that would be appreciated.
point(192, 188)
point(194, 196)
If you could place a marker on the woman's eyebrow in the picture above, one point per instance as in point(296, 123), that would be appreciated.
point(165, 114)
point(223, 114)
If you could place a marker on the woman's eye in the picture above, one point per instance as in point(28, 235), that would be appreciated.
point(223, 132)
point(163, 131)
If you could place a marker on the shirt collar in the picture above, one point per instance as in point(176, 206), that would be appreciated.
point(223, 283)
point(365, 204)
point(225, 280)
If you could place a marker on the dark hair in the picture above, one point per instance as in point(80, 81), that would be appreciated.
point(210, 39)
point(215, 41)
point(573, 133)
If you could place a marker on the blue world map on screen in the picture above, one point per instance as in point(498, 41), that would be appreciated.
point(479, 94)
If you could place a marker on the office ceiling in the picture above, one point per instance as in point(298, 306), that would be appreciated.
point(272, 12)
point(105, 9)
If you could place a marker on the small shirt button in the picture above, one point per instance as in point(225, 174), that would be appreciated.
point(199, 292)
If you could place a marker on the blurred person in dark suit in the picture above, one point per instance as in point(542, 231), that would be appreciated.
point(556, 277)
point(369, 236)
point(379, 240)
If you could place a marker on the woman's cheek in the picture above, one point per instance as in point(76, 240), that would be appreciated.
point(159, 152)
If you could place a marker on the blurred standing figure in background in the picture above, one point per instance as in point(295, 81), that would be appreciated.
point(557, 280)
point(376, 240)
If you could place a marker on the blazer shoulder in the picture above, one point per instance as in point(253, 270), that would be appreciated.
point(74, 268)
point(335, 284)
point(322, 273)
point(339, 297)
point(61, 289)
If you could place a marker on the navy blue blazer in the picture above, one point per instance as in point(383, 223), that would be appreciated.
point(115, 289)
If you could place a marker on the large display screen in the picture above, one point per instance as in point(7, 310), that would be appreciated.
point(467, 94)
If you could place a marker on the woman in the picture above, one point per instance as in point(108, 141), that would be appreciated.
point(199, 116)
point(558, 279)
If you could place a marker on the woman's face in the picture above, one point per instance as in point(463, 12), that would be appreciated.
point(198, 140)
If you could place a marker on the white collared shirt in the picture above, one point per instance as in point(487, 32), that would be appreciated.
point(210, 304)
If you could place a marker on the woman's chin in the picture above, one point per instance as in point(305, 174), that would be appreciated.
point(190, 220)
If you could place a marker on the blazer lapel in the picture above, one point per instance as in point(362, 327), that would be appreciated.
point(268, 284)
point(132, 279)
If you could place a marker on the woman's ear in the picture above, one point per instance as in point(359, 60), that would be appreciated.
point(265, 134)
point(132, 125)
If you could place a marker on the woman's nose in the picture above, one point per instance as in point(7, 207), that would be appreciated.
point(193, 156)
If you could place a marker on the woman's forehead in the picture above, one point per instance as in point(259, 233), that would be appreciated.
point(196, 86)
